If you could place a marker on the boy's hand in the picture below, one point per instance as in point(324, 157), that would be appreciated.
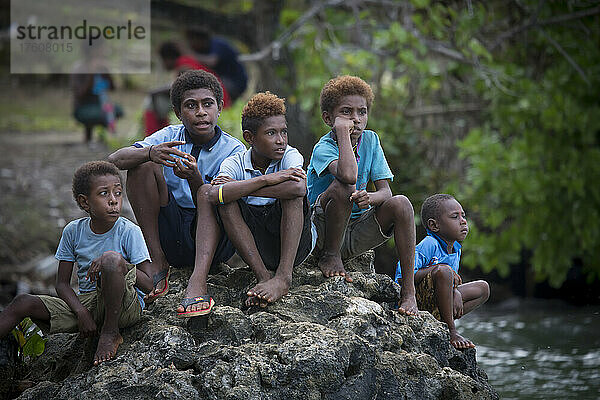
point(458, 304)
point(108, 257)
point(361, 198)
point(163, 153)
point(457, 280)
point(343, 125)
point(186, 167)
point(291, 174)
point(221, 180)
point(87, 325)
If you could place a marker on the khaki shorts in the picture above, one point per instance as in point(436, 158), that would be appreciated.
point(63, 319)
point(362, 234)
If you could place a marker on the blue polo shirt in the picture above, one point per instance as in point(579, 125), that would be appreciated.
point(209, 159)
point(372, 165)
point(432, 250)
point(239, 167)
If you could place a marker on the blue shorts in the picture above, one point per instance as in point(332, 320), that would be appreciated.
point(177, 232)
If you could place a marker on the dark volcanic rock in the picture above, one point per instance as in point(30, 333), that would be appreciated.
point(327, 339)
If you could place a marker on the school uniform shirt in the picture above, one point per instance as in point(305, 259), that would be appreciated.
point(239, 167)
point(80, 244)
point(209, 159)
point(372, 165)
point(432, 250)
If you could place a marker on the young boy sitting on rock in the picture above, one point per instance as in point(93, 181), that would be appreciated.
point(350, 220)
point(109, 251)
point(262, 200)
point(165, 171)
point(439, 287)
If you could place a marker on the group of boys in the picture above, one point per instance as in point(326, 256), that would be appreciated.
point(199, 196)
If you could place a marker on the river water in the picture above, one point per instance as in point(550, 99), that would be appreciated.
point(537, 349)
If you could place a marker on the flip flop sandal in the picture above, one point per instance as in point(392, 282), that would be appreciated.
point(156, 279)
point(190, 301)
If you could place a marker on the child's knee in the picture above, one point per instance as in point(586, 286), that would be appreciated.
point(442, 274)
point(402, 206)
point(485, 290)
point(113, 262)
point(203, 195)
point(340, 192)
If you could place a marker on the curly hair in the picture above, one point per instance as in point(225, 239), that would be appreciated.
point(341, 86)
point(260, 107)
point(82, 179)
point(432, 207)
point(195, 79)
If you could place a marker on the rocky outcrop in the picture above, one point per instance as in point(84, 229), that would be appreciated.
point(327, 339)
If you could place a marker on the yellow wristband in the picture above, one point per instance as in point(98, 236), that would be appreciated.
point(221, 195)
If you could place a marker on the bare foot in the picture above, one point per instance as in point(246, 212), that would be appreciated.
point(271, 290)
point(460, 342)
point(255, 301)
point(331, 265)
point(408, 306)
point(107, 346)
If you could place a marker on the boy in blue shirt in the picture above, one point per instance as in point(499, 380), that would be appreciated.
point(166, 169)
point(350, 220)
point(262, 200)
point(104, 245)
point(439, 287)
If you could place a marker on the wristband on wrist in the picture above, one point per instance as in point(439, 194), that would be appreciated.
point(221, 195)
point(149, 150)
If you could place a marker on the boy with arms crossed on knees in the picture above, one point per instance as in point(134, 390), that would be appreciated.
point(165, 171)
point(439, 287)
point(104, 245)
point(262, 200)
point(350, 220)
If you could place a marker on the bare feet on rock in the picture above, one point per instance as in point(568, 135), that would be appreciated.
point(460, 342)
point(107, 346)
point(408, 306)
point(331, 265)
point(268, 291)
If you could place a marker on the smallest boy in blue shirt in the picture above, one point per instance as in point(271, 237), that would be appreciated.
point(262, 197)
point(109, 251)
point(439, 287)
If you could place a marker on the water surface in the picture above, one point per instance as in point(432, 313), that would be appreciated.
point(538, 349)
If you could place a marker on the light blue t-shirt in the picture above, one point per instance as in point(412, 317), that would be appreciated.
point(239, 167)
point(432, 250)
point(80, 244)
point(372, 165)
point(209, 159)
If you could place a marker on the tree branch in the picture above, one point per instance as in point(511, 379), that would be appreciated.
point(566, 55)
point(442, 109)
point(533, 22)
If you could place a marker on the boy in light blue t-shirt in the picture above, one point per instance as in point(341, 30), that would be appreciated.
point(349, 219)
point(104, 245)
point(439, 288)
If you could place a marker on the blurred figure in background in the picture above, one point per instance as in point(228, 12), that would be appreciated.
point(219, 55)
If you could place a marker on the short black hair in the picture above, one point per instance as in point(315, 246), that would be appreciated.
point(432, 207)
point(83, 176)
point(341, 86)
point(195, 79)
point(260, 107)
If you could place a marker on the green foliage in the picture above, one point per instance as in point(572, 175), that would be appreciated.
point(29, 339)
